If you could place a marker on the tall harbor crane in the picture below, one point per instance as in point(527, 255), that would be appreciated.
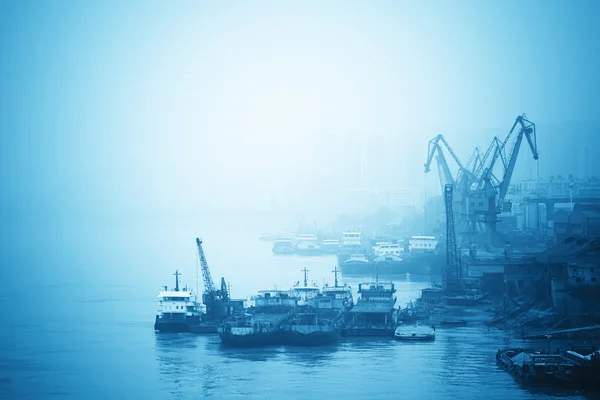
point(452, 272)
point(216, 301)
point(480, 192)
point(488, 199)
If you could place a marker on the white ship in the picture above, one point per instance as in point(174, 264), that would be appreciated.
point(177, 309)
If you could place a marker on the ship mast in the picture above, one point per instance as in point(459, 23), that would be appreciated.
point(176, 280)
point(335, 271)
point(305, 277)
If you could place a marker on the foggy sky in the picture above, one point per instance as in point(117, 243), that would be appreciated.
point(162, 106)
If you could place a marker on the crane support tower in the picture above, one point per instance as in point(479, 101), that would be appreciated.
point(452, 272)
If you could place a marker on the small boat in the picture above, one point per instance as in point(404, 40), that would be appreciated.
point(414, 333)
point(453, 323)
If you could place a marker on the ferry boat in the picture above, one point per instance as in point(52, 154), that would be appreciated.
point(260, 324)
point(283, 245)
point(414, 333)
point(307, 245)
point(357, 264)
point(373, 314)
point(177, 309)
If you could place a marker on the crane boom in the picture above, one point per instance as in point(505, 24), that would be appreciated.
point(528, 130)
point(209, 286)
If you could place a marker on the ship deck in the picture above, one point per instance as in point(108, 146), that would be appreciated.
point(373, 307)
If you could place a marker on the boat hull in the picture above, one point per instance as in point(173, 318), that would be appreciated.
point(257, 339)
point(316, 338)
point(310, 252)
point(284, 251)
point(357, 268)
point(204, 327)
point(370, 331)
point(406, 338)
point(175, 324)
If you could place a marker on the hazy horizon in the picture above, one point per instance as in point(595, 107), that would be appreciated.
point(150, 107)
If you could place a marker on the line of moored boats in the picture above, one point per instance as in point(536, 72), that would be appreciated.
point(304, 315)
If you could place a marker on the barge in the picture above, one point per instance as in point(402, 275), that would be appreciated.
point(575, 368)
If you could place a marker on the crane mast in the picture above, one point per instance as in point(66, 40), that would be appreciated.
point(452, 271)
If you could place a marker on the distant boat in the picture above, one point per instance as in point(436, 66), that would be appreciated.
point(283, 245)
point(414, 333)
point(268, 237)
point(453, 323)
point(358, 264)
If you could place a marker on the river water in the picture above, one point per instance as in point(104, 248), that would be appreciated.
point(80, 301)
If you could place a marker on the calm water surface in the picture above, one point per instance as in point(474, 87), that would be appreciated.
point(81, 306)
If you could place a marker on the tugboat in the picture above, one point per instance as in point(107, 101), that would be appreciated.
point(177, 309)
point(260, 325)
point(414, 333)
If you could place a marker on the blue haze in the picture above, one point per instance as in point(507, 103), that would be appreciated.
point(129, 128)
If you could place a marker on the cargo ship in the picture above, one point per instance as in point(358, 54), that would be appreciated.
point(373, 313)
point(306, 291)
point(260, 324)
point(177, 309)
point(318, 321)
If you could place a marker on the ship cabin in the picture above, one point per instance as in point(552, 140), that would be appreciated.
point(273, 301)
point(333, 300)
point(376, 304)
point(351, 239)
point(305, 292)
point(283, 241)
point(387, 248)
point(176, 303)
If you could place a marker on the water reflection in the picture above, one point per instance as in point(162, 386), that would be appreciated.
point(268, 353)
point(309, 357)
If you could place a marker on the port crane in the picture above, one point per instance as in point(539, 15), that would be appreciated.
point(452, 272)
point(463, 180)
point(488, 198)
point(215, 300)
point(482, 192)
